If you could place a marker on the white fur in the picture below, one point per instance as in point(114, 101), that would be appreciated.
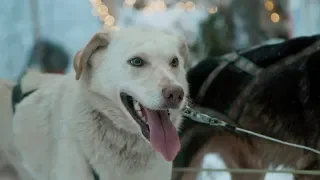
point(66, 126)
point(174, 19)
point(215, 161)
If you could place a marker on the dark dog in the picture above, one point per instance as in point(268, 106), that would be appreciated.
point(281, 101)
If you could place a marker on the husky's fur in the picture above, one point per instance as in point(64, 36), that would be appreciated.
point(69, 126)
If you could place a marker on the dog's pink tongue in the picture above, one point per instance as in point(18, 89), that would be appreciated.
point(163, 135)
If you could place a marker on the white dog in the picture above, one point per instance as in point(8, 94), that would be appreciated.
point(118, 115)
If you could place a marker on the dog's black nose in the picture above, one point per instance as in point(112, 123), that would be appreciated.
point(173, 95)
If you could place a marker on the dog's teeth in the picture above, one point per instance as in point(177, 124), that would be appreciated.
point(139, 113)
point(137, 106)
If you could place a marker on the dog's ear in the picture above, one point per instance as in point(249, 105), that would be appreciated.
point(81, 59)
point(184, 52)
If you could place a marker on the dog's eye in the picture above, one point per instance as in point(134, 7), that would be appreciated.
point(138, 62)
point(174, 62)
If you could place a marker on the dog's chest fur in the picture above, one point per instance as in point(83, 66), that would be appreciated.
point(71, 138)
point(123, 161)
point(114, 153)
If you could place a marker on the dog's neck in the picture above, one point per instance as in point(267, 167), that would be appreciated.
point(107, 135)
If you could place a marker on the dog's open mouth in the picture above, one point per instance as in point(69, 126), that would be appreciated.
point(155, 125)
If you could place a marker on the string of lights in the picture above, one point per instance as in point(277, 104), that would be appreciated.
point(269, 5)
point(101, 10)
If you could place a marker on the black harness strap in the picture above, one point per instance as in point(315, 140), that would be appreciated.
point(228, 58)
point(240, 62)
point(95, 175)
point(18, 96)
point(231, 58)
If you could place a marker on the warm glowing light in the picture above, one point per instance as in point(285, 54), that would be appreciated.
point(275, 17)
point(96, 3)
point(189, 6)
point(162, 5)
point(180, 5)
point(269, 5)
point(115, 28)
point(101, 10)
point(154, 5)
point(213, 10)
point(109, 20)
point(105, 26)
point(130, 2)
point(147, 10)
point(158, 6)
point(103, 13)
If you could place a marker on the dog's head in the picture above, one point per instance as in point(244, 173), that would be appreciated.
point(142, 70)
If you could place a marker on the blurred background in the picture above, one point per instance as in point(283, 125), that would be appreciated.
point(45, 34)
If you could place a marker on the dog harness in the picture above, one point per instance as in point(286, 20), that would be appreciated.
point(227, 60)
point(17, 96)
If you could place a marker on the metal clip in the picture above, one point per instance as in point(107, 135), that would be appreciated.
point(187, 112)
point(202, 118)
point(214, 122)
